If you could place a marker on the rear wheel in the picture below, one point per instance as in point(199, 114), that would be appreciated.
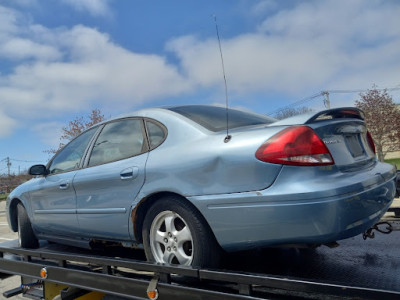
point(175, 233)
point(26, 236)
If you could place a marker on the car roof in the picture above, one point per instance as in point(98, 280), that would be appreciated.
point(210, 117)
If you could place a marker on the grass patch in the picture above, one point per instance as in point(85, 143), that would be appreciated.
point(394, 161)
point(3, 197)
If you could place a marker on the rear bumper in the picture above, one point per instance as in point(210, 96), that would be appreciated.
point(303, 206)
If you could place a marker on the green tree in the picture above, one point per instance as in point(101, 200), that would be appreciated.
point(383, 120)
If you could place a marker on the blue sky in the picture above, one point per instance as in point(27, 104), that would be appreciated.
point(59, 59)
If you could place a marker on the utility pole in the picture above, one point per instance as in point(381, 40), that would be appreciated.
point(8, 166)
point(327, 102)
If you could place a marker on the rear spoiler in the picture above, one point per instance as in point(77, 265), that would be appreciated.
point(330, 114)
point(337, 113)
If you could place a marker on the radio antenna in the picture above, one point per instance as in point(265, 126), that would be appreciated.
point(228, 137)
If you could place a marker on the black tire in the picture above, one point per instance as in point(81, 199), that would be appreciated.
point(26, 236)
point(190, 242)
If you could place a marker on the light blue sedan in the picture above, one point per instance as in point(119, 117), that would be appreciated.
point(183, 185)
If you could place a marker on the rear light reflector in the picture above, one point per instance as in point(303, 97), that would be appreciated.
point(296, 145)
point(371, 142)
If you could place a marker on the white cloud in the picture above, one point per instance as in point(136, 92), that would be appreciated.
point(93, 7)
point(19, 40)
point(17, 48)
point(263, 7)
point(255, 62)
point(49, 133)
point(8, 19)
point(348, 23)
point(309, 46)
point(93, 70)
point(305, 48)
point(7, 124)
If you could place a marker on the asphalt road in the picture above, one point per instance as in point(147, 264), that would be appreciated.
point(373, 263)
point(7, 235)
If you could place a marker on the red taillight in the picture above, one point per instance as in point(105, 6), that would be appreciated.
point(371, 142)
point(297, 145)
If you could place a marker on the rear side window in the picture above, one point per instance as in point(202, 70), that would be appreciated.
point(157, 134)
point(118, 140)
point(214, 118)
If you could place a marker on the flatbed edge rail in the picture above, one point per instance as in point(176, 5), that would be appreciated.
point(130, 278)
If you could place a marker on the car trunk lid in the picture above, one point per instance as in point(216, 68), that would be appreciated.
point(345, 134)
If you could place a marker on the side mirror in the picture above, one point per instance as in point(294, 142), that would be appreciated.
point(38, 170)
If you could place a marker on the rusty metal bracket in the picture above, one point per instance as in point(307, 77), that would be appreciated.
point(152, 292)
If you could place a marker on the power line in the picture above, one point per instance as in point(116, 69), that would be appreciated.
point(326, 95)
point(9, 166)
point(302, 101)
point(19, 160)
point(360, 91)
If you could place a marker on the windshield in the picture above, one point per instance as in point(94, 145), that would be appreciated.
point(214, 118)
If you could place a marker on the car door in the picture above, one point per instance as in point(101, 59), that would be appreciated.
point(114, 174)
point(53, 202)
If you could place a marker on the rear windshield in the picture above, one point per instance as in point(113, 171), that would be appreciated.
point(214, 118)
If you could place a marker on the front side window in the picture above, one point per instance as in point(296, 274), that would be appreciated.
point(118, 140)
point(70, 156)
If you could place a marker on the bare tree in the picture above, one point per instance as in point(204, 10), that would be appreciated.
point(8, 183)
point(290, 112)
point(383, 120)
point(77, 126)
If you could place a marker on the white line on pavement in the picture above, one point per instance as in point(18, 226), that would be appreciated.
point(5, 239)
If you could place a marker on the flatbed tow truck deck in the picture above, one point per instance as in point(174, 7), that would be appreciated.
point(357, 269)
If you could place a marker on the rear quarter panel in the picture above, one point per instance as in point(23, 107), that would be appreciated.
point(194, 161)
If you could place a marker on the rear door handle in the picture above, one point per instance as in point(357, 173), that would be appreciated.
point(129, 173)
point(126, 175)
point(64, 186)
